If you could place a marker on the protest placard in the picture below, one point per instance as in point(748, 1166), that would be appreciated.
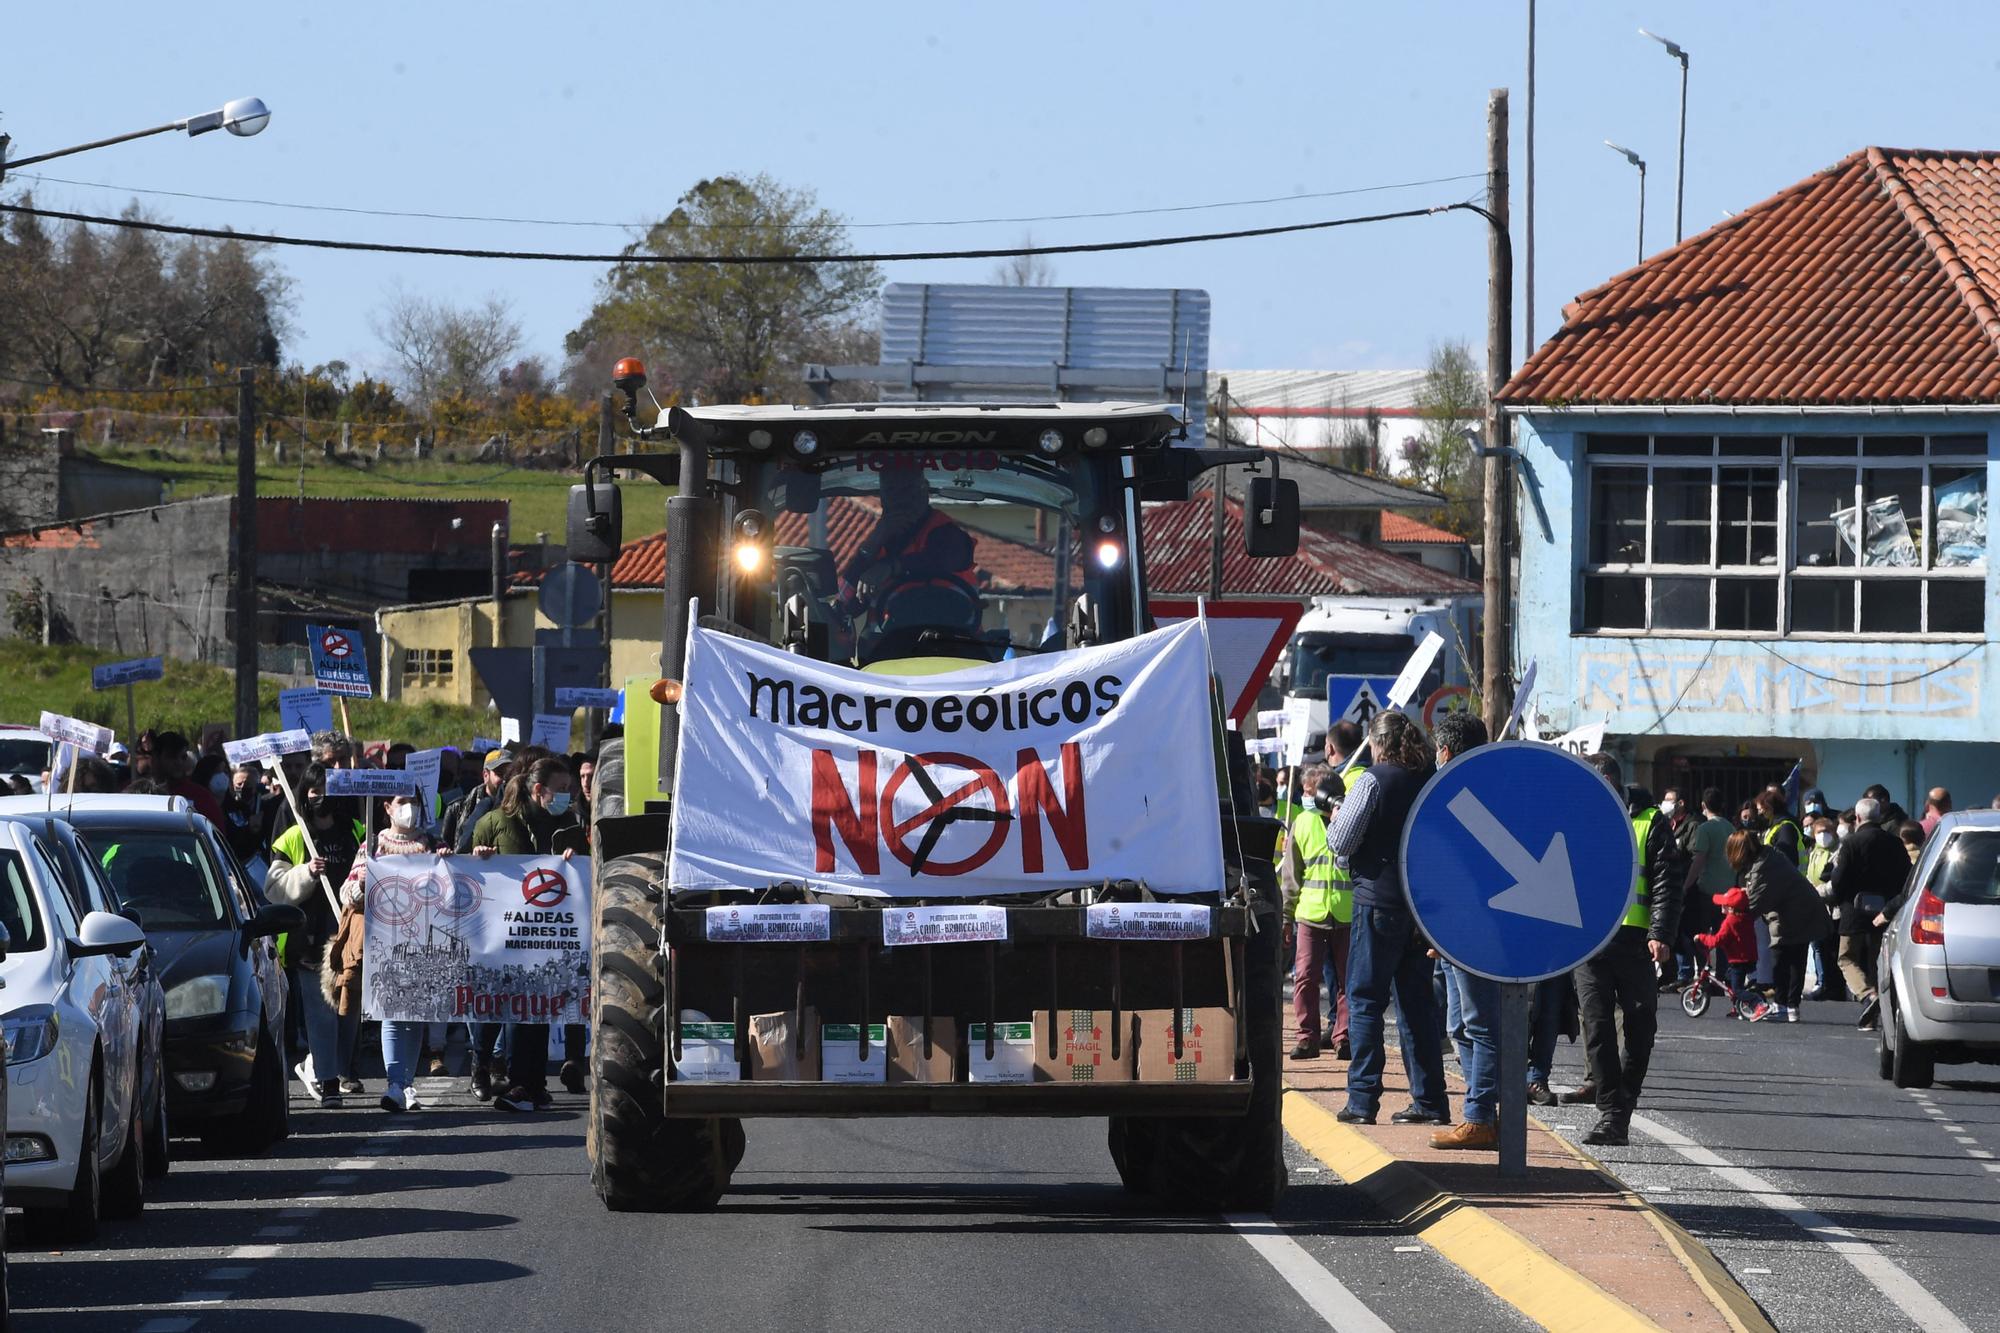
point(113, 674)
point(340, 661)
point(305, 709)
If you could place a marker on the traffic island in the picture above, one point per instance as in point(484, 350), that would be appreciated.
point(1566, 1245)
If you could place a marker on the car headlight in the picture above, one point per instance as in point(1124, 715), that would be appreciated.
point(198, 997)
point(30, 1033)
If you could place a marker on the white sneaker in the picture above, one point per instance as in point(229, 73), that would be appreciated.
point(393, 1098)
point(303, 1072)
point(1791, 1015)
point(410, 1102)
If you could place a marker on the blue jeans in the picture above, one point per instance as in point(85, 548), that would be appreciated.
point(1449, 985)
point(329, 1036)
point(1544, 1026)
point(400, 1044)
point(1384, 956)
point(1479, 1048)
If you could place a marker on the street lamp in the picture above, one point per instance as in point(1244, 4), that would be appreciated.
point(1679, 53)
point(243, 117)
point(1640, 163)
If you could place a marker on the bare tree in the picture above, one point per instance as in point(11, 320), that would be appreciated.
point(1452, 399)
point(1025, 270)
point(443, 350)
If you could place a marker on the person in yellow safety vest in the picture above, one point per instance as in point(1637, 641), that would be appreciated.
point(1779, 830)
point(1319, 907)
point(1619, 982)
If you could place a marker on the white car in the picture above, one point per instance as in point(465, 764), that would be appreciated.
point(72, 1024)
point(24, 751)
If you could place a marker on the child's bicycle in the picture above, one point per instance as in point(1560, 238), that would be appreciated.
point(1748, 1004)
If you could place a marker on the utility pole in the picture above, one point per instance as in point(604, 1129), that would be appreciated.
point(1496, 686)
point(246, 552)
point(606, 439)
point(1219, 509)
point(1528, 204)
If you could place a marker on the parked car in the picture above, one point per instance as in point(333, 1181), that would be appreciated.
point(24, 751)
point(75, 1136)
point(89, 891)
point(1939, 968)
point(213, 939)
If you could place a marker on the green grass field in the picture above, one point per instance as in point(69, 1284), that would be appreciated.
point(33, 678)
point(538, 499)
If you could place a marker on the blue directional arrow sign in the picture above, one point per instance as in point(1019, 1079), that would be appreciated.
point(1519, 859)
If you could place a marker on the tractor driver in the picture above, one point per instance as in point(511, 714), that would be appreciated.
point(917, 568)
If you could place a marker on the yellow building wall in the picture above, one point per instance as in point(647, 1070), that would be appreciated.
point(413, 637)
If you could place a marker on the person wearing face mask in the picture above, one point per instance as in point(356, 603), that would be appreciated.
point(402, 1042)
point(243, 816)
point(534, 807)
point(1822, 845)
point(299, 877)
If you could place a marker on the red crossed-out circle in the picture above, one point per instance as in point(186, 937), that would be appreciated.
point(895, 832)
point(544, 887)
point(335, 643)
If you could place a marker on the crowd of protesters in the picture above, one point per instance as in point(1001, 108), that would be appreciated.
point(522, 800)
point(1782, 898)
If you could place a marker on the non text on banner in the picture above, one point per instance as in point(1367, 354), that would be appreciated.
point(503, 940)
point(1015, 776)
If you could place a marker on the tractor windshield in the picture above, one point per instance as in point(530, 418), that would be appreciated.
point(878, 556)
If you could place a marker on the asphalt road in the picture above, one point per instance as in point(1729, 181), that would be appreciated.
point(466, 1218)
point(1912, 1180)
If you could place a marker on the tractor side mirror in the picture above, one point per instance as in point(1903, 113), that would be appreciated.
point(1271, 517)
point(595, 522)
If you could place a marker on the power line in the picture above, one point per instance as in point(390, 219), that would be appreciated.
point(760, 226)
point(904, 256)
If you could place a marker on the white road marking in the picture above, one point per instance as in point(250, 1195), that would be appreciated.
point(200, 1298)
point(1952, 1129)
point(1977, 1152)
point(1409, 1249)
point(1965, 1138)
point(353, 1164)
point(254, 1252)
point(1324, 1293)
point(1902, 1290)
point(1764, 1271)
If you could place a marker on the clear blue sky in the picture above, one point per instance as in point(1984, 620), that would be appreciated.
point(924, 110)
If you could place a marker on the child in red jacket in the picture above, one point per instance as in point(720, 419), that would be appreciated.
point(1737, 938)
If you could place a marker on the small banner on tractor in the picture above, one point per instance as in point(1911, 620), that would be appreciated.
point(1044, 772)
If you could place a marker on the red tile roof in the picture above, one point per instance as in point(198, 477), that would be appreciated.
point(1180, 534)
point(1872, 282)
point(1177, 538)
point(1402, 528)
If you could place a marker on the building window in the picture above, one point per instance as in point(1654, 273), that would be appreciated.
point(1809, 535)
point(427, 666)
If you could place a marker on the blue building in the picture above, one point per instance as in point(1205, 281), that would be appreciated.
point(1754, 472)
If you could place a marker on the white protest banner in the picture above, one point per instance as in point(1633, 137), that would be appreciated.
point(378, 782)
point(1420, 661)
point(578, 697)
point(774, 923)
point(305, 709)
point(943, 925)
point(1146, 921)
point(504, 940)
point(1269, 747)
point(1270, 719)
point(423, 767)
point(1584, 740)
point(510, 732)
point(551, 731)
point(1297, 730)
point(75, 731)
point(1049, 770)
point(269, 745)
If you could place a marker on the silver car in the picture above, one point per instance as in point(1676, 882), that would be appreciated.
point(1939, 968)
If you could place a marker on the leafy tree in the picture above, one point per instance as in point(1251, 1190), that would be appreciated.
point(1451, 399)
point(727, 332)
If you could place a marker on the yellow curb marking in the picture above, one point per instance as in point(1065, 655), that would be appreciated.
point(1514, 1268)
point(1736, 1306)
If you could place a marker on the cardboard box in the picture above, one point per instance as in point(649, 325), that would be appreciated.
point(1013, 1053)
point(906, 1050)
point(840, 1058)
point(1208, 1046)
point(708, 1050)
point(774, 1047)
point(1082, 1048)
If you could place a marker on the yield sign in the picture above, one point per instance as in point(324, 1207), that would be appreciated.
point(1245, 638)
